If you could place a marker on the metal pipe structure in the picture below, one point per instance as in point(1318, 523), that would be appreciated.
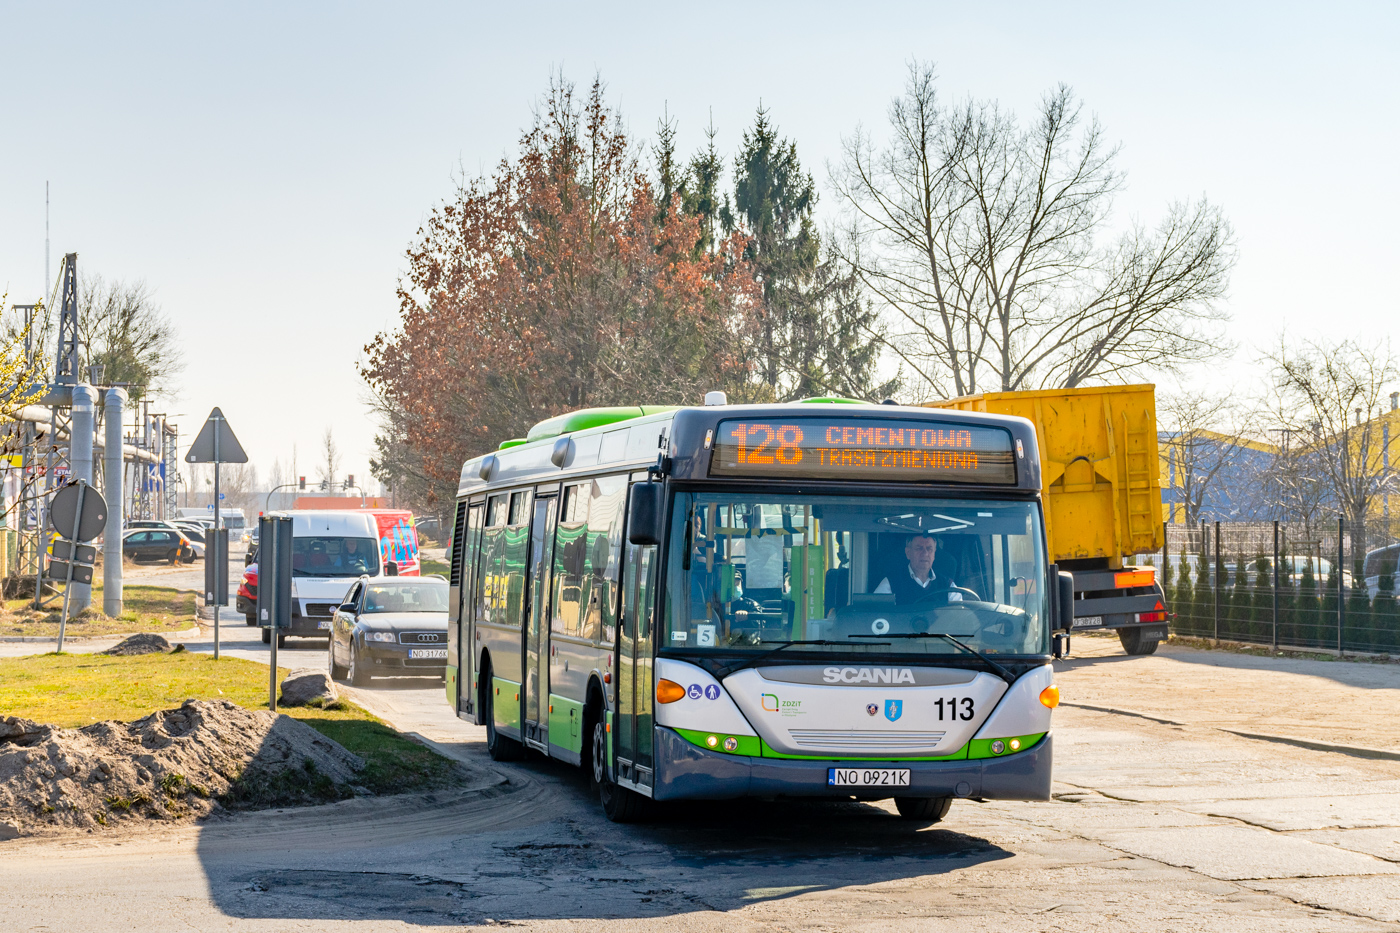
point(116, 506)
point(80, 446)
point(1276, 582)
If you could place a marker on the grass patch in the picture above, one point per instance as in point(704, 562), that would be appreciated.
point(73, 690)
point(434, 566)
point(144, 609)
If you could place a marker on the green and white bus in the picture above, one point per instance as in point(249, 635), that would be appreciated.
point(819, 598)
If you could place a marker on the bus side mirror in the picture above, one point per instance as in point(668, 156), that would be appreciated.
point(1065, 592)
point(644, 513)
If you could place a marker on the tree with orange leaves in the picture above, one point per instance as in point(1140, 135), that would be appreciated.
point(560, 282)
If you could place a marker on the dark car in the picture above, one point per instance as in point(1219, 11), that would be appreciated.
point(157, 544)
point(390, 625)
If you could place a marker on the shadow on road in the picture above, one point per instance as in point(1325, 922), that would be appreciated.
point(1378, 675)
point(538, 848)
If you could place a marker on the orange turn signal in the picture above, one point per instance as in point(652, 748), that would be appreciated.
point(1050, 697)
point(1127, 578)
point(668, 691)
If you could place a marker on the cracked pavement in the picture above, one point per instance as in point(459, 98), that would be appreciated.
point(1165, 818)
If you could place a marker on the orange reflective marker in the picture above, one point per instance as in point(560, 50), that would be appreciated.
point(1050, 697)
point(668, 691)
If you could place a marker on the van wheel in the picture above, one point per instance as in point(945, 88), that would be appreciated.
point(1134, 643)
point(923, 809)
point(620, 805)
point(251, 618)
point(499, 747)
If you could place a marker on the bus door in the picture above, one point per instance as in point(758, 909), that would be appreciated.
point(536, 640)
point(634, 695)
point(466, 542)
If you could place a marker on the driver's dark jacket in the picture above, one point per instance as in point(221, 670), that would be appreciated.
point(907, 592)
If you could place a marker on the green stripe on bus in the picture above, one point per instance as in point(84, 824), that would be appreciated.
point(505, 705)
point(566, 723)
point(746, 744)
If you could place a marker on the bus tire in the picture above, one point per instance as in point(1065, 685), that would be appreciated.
point(923, 809)
point(498, 746)
point(1134, 643)
point(620, 805)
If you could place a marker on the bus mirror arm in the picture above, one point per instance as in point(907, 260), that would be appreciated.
point(645, 513)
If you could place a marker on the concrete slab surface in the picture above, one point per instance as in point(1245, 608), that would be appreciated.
point(1238, 853)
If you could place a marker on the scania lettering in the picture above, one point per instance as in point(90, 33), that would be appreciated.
point(810, 599)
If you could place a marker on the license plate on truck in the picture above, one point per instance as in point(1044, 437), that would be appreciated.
point(1089, 622)
point(867, 777)
point(428, 653)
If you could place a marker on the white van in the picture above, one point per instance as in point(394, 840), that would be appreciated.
point(330, 550)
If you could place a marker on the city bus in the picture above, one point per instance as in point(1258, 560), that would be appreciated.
point(818, 599)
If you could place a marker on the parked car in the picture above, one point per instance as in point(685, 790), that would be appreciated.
point(246, 601)
point(389, 625)
point(151, 523)
point(157, 544)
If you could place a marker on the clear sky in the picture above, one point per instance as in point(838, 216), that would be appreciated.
point(263, 166)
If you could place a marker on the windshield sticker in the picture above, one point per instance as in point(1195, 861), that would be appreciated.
point(893, 709)
point(705, 636)
point(679, 636)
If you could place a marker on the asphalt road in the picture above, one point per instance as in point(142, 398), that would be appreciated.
point(1166, 817)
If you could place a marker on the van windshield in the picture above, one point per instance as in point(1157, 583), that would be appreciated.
point(334, 557)
point(758, 571)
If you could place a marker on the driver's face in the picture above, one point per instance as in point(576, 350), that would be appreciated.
point(920, 552)
point(351, 547)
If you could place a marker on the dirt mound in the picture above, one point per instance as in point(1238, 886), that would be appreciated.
point(172, 765)
point(141, 643)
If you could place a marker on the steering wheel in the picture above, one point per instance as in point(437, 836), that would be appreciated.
point(978, 619)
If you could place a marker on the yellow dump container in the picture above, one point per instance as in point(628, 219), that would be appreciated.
point(1099, 467)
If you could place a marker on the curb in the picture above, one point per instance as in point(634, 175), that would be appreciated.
point(187, 633)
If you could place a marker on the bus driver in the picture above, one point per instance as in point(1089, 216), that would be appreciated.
point(920, 583)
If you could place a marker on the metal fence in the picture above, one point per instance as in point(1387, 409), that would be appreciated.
point(1284, 584)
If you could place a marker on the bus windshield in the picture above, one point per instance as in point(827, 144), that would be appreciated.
point(863, 574)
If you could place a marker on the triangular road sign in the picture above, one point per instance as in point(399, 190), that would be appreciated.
point(216, 443)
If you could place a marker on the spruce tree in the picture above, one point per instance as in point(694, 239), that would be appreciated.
point(1263, 607)
point(1306, 610)
point(1327, 610)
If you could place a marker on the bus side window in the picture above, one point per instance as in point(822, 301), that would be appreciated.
point(515, 555)
point(606, 501)
point(490, 582)
point(570, 547)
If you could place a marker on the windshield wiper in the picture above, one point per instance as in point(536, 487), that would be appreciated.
point(752, 662)
point(1005, 675)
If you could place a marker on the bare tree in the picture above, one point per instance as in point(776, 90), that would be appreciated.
point(981, 239)
point(125, 331)
point(329, 467)
point(1328, 397)
point(1214, 460)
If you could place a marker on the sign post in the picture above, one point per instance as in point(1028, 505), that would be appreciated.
point(216, 444)
point(78, 513)
point(274, 587)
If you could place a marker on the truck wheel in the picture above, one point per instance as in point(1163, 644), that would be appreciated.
point(281, 641)
point(923, 809)
point(251, 618)
point(499, 747)
point(1134, 643)
point(267, 636)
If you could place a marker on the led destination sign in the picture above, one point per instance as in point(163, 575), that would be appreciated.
point(847, 448)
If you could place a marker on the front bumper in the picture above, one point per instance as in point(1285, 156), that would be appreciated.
point(688, 772)
point(392, 658)
point(306, 627)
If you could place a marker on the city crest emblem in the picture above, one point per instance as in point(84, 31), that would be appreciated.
point(872, 709)
point(893, 709)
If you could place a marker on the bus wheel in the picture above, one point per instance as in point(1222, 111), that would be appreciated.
point(620, 805)
point(1134, 643)
point(923, 809)
point(498, 746)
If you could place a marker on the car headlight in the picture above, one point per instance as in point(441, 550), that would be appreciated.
point(379, 636)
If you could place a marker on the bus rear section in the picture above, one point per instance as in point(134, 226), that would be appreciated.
point(810, 600)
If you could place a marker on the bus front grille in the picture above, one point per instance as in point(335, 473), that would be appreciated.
point(865, 740)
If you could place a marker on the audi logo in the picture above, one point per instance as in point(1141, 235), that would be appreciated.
point(427, 638)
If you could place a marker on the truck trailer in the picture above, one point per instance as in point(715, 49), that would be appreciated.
point(1101, 484)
